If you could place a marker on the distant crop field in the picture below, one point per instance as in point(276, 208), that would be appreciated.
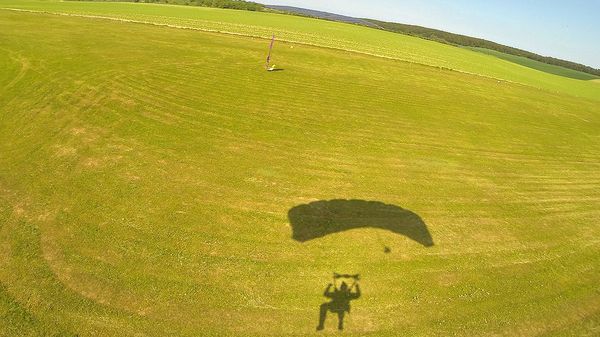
point(547, 68)
point(158, 181)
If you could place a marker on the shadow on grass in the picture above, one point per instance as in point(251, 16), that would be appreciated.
point(340, 297)
point(320, 218)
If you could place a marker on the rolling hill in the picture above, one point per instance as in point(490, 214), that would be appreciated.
point(321, 15)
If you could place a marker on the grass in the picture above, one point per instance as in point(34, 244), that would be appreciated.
point(320, 33)
point(146, 174)
point(547, 68)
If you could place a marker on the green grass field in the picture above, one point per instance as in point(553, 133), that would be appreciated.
point(320, 33)
point(547, 68)
point(147, 172)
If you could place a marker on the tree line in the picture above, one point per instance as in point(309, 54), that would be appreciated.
point(231, 4)
point(467, 41)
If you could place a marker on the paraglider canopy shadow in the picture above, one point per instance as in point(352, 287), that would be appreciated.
point(320, 218)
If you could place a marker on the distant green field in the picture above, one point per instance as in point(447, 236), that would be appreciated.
point(547, 68)
point(147, 173)
point(320, 33)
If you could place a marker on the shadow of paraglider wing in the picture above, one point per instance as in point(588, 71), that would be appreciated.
point(321, 218)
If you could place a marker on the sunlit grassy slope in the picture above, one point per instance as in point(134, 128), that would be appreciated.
point(544, 67)
point(146, 174)
point(321, 33)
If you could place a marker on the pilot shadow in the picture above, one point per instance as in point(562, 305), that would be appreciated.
point(321, 218)
point(340, 298)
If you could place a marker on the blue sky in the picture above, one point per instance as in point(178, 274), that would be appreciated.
point(564, 29)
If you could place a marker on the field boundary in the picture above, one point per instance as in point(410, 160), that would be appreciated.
point(111, 18)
